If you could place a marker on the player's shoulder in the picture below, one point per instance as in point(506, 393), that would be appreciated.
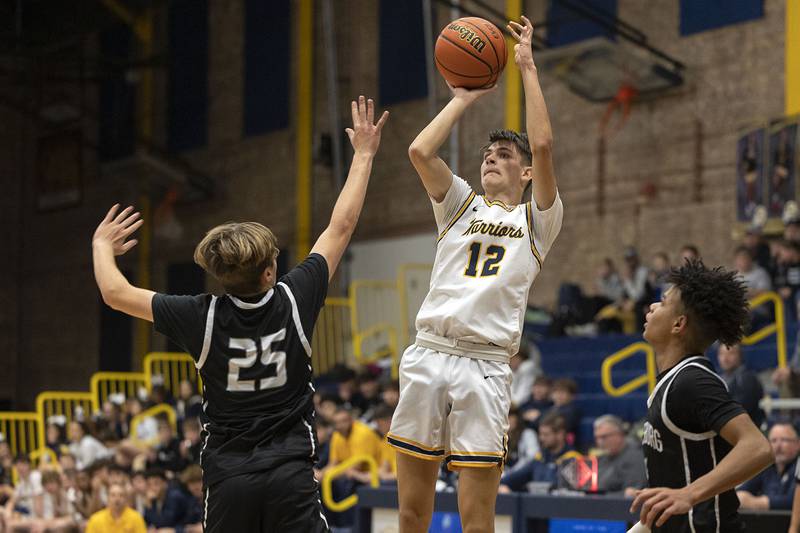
point(694, 377)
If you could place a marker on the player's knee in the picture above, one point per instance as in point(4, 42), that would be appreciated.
point(414, 518)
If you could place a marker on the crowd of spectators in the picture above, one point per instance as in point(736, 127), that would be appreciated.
point(96, 477)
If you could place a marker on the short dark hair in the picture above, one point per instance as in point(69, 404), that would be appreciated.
point(567, 384)
point(155, 472)
point(382, 411)
point(742, 249)
point(554, 421)
point(715, 301)
point(520, 141)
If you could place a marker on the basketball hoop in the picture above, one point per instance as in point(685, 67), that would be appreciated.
point(166, 225)
point(622, 103)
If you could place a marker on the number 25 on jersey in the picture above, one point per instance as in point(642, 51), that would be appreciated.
point(491, 263)
point(268, 357)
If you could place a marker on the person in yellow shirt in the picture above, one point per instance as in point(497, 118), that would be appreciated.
point(352, 438)
point(117, 517)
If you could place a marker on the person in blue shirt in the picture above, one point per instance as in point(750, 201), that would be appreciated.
point(743, 384)
point(166, 506)
point(544, 467)
point(774, 487)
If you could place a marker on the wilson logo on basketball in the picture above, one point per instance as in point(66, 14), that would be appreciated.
point(466, 34)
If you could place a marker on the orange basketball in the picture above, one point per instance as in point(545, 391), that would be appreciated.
point(471, 53)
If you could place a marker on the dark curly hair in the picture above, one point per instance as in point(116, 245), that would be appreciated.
point(714, 300)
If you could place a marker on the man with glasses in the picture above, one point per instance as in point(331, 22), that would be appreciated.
point(621, 467)
point(774, 487)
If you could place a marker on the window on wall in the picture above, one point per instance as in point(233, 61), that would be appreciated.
point(267, 40)
point(117, 128)
point(570, 21)
point(188, 75)
point(401, 51)
point(709, 14)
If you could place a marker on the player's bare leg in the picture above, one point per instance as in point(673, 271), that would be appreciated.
point(416, 487)
point(477, 492)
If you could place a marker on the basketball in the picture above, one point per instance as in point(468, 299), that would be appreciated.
point(471, 53)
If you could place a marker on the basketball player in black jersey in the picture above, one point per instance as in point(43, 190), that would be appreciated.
point(252, 349)
point(699, 443)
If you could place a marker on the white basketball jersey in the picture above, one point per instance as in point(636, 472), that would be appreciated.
point(487, 256)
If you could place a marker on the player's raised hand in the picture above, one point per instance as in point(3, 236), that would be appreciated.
point(365, 135)
point(470, 95)
point(523, 33)
point(115, 229)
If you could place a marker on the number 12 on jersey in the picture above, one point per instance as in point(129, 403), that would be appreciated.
point(491, 264)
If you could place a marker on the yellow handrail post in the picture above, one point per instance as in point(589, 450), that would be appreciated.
point(648, 378)
point(778, 327)
point(154, 411)
point(338, 470)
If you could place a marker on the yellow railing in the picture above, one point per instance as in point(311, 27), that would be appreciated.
point(778, 327)
point(173, 367)
point(62, 403)
point(153, 412)
point(338, 470)
point(388, 348)
point(648, 379)
point(413, 282)
point(104, 384)
point(332, 340)
point(21, 431)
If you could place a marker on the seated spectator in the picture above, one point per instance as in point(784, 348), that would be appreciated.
point(620, 468)
point(189, 403)
point(350, 438)
point(324, 433)
point(28, 485)
point(522, 444)
point(117, 516)
point(51, 507)
point(688, 252)
point(84, 447)
point(139, 494)
point(791, 228)
point(369, 388)
point(114, 417)
point(542, 469)
point(327, 406)
point(166, 506)
point(56, 435)
point(525, 367)
point(192, 481)
point(774, 487)
point(659, 270)
point(166, 454)
point(192, 443)
point(754, 277)
point(563, 396)
point(743, 385)
point(608, 284)
point(348, 392)
point(538, 402)
point(391, 394)
point(759, 250)
point(6, 461)
point(637, 291)
point(147, 428)
point(787, 275)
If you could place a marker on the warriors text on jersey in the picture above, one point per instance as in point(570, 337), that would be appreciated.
point(487, 257)
point(685, 412)
point(254, 358)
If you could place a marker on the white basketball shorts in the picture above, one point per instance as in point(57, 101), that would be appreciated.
point(453, 408)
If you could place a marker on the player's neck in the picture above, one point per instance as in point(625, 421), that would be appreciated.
point(671, 354)
point(509, 198)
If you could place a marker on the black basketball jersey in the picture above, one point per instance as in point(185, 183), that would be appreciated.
point(254, 356)
point(685, 412)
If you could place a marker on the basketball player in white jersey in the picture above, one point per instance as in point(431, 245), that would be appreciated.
point(455, 380)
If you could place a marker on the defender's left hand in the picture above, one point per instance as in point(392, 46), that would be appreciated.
point(661, 503)
point(523, 53)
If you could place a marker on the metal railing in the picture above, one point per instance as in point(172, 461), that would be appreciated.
point(172, 367)
point(21, 431)
point(153, 412)
point(64, 404)
point(340, 469)
point(104, 384)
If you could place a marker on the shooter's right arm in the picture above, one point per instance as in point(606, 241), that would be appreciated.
point(436, 176)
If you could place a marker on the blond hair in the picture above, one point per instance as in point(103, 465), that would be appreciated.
point(236, 254)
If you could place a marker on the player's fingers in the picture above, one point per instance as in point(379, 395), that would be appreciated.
point(648, 506)
point(527, 21)
point(124, 213)
point(133, 227)
point(656, 511)
point(668, 512)
point(128, 245)
point(370, 112)
point(362, 109)
point(382, 121)
point(111, 212)
point(130, 220)
point(354, 112)
point(512, 31)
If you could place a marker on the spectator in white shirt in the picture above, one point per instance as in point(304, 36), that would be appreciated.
point(84, 447)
